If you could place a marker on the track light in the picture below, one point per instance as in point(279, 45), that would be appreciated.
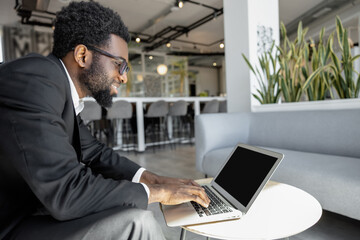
point(214, 15)
point(179, 4)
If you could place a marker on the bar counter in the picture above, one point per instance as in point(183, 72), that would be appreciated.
point(141, 146)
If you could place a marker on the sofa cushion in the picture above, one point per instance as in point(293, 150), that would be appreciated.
point(317, 174)
point(333, 180)
point(333, 132)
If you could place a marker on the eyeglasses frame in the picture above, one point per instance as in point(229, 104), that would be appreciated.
point(120, 59)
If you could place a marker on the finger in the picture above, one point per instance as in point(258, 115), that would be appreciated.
point(200, 192)
point(200, 201)
point(192, 182)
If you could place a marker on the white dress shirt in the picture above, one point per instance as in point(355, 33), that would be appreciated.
point(79, 106)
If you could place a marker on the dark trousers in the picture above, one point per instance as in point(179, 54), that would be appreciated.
point(115, 223)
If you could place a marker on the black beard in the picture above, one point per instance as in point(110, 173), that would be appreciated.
point(97, 82)
point(103, 98)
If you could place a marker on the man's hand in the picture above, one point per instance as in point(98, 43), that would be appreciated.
point(171, 194)
point(171, 191)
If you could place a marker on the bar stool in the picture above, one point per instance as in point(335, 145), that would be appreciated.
point(181, 125)
point(91, 114)
point(120, 115)
point(211, 107)
point(156, 117)
point(223, 106)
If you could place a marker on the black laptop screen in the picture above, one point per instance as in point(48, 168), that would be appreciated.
point(244, 172)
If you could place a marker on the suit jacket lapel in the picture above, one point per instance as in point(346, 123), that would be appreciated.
point(76, 139)
point(68, 115)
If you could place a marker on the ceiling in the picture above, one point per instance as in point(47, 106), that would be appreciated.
point(195, 30)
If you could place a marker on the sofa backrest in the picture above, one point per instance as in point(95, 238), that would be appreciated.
point(335, 132)
point(219, 130)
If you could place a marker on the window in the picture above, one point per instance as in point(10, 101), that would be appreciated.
point(1, 47)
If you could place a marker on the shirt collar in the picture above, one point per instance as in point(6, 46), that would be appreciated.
point(78, 103)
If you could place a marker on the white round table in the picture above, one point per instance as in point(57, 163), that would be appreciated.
point(279, 211)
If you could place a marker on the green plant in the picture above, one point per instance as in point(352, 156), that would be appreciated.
point(268, 77)
point(343, 81)
point(292, 59)
point(320, 56)
point(180, 70)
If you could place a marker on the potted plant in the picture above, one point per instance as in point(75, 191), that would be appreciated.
point(319, 57)
point(292, 59)
point(343, 70)
point(267, 77)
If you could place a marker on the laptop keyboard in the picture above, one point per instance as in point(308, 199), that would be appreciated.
point(216, 206)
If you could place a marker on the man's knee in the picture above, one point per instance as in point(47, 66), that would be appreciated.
point(116, 223)
point(139, 224)
point(140, 216)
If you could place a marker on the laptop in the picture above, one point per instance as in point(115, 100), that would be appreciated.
point(234, 188)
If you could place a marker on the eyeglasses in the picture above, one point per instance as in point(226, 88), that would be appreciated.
point(124, 68)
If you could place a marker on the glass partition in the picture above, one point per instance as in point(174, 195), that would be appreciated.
point(152, 62)
point(145, 81)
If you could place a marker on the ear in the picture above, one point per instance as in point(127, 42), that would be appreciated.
point(82, 55)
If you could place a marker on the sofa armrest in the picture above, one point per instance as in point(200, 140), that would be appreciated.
point(214, 131)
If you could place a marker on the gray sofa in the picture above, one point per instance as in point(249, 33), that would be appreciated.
point(322, 150)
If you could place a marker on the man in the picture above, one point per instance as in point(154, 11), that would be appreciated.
point(56, 180)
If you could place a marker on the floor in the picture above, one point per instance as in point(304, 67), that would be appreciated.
point(179, 161)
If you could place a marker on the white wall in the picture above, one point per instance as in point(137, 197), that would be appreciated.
point(241, 21)
point(207, 79)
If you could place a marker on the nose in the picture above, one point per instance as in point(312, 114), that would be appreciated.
point(123, 77)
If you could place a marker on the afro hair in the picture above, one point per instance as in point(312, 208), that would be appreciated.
point(87, 23)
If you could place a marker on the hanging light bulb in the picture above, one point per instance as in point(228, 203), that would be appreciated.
point(162, 69)
point(168, 45)
point(181, 4)
point(214, 64)
point(138, 39)
point(221, 45)
point(151, 57)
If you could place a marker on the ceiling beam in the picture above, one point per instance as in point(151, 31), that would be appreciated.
point(180, 30)
point(313, 14)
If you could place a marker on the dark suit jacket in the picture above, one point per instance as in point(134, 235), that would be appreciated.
point(48, 158)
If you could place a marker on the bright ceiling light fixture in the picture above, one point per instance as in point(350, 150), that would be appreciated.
point(162, 69)
point(221, 45)
point(138, 39)
point(168, 44)
point(180, 4)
